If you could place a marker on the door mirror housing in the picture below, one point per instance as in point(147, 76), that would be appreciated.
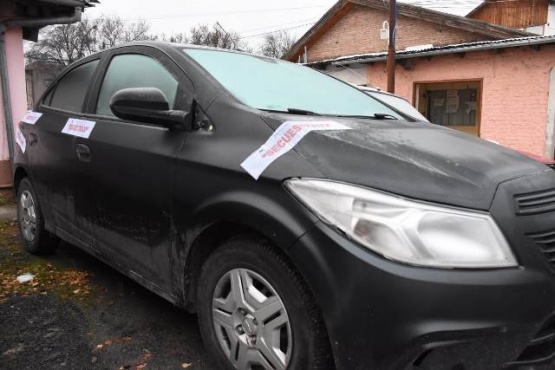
point(149, 105)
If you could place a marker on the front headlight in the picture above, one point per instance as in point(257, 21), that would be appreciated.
point(404, 230)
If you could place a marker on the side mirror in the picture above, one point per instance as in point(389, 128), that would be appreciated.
point(149, 105)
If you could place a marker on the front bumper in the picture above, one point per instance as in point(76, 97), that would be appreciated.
point(384, 315)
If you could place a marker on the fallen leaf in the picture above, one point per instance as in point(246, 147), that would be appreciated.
point(186, 365)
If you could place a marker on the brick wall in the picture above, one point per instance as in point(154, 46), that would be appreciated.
point(358, 32)
point(515, 92)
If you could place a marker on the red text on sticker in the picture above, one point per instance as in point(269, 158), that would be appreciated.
point(78, 128)
point(282, 141)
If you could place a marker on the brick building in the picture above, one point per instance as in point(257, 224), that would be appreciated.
point(487, 80)
point(353, 27)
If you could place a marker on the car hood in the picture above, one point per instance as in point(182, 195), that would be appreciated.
point(417, 160)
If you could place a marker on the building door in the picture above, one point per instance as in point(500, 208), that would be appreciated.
point(452, 104)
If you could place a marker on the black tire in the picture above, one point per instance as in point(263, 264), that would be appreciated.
point(310, 349)
point(41, 242)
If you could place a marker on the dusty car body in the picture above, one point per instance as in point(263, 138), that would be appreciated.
point(366, 241)
point(547, 161)
point(403, 106)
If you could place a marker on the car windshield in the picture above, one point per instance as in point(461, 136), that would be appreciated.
point(398, 103)
point(271, 84)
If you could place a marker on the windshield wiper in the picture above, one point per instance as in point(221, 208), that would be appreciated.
point(302, 111)
point(294, 111)
point(374, 116)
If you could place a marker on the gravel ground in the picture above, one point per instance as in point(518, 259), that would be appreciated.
point(119, 325)
point(38, 332)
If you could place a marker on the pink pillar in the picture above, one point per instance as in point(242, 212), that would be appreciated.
point(13, 38)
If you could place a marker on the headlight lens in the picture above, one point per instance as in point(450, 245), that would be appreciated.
point(403, 230)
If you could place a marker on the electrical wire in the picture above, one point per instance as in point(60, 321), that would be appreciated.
point(275, 31)
point(304, 21)
point(192, 15)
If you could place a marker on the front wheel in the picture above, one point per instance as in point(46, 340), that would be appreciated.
point(255, 312)
point(36, 239)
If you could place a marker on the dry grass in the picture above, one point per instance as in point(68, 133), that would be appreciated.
point(63, 282)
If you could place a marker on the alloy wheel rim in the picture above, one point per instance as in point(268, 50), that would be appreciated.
point(251, 322)
point(28, 216)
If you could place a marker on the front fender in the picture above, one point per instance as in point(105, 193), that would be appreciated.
point(273, 214)
point(279, 217)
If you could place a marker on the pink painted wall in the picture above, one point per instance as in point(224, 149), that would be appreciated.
point(16, 74)
point(514, 96)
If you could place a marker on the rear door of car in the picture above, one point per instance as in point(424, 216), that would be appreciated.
point(132, 166)
point(55, 169)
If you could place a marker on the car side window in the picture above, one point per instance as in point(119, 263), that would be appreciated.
point(134, 70)
point(69, 93)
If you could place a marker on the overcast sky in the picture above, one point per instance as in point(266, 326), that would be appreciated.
point(252, 19)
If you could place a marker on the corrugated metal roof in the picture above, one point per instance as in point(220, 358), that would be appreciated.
point(447, 49)
point(63, 3)
point(456, 7)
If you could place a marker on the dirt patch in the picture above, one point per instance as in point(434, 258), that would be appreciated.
point(39, 332)
point(78, 313)
point(6, 197)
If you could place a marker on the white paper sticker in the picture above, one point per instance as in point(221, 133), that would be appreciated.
point(31, 117)
point(25, 278)
point(79, 127)
point(20, 140)
point(287, 135)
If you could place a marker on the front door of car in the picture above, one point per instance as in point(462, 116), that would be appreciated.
point(132, 167)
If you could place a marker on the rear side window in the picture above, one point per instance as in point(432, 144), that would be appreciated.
point(69, 94)
point(133, 70)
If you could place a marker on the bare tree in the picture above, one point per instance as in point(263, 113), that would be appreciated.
point(65, 44)
point(276, 44)
point(135, 31)
point(114, 31)
point(110, 30)
point(216, 36)
point(178, 38)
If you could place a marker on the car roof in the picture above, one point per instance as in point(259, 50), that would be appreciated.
point(172, 46)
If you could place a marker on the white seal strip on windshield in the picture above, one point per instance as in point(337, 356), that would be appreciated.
point(287, 135)
point(31, 117)
point(20, 140)
point(79, 127)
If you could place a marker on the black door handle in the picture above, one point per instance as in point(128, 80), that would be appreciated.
point(33, 138)
point(83, 152)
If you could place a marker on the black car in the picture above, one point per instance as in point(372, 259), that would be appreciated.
point(307, 224)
